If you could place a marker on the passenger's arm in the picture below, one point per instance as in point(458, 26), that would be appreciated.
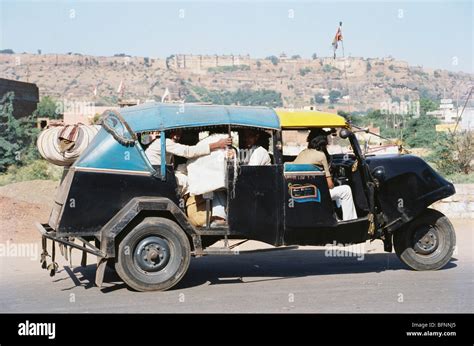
point(328, 174)
point(330, 182)
point(192, 151)
point(221, 144)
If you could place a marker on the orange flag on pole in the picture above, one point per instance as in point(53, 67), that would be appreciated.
point(337, 38)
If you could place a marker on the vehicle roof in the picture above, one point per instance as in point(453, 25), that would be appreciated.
point(304, 119)
point(163, 116)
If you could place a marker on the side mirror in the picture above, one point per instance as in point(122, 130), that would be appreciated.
point(379, 174)
point(344, 133)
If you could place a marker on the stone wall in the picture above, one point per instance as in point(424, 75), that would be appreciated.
point(461, 205)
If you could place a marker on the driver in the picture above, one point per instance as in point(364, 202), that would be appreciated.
point(317, 154)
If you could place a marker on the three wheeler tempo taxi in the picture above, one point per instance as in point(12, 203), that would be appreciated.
point(113, 203)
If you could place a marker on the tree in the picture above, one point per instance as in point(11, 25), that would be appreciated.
point(48, 108)
point(295, 57)
point(319, 99)
point(273, 59)
point(314, 56)
point(427, 105)
point(420, 132)
point(17, 136)
point(259, 64)
point(334, 96)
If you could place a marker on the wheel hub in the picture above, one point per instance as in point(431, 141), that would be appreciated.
point(426, 240)
point(152, 254)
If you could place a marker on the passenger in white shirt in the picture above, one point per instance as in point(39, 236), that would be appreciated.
point(173, 147)
point(252, 142)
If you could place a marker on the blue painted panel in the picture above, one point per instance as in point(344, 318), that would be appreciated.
point(296, 167)
point(163, 116)
point(105, 152)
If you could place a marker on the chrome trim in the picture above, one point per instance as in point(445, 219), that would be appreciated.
point(112, 171)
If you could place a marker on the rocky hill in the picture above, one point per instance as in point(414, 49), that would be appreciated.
point(358, 84)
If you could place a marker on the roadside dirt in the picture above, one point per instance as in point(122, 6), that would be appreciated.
point(21, 205)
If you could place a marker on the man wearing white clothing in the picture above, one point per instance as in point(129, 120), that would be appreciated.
point(173, 147)
point(255, 154)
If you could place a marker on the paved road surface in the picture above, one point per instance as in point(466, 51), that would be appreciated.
point(297, 280)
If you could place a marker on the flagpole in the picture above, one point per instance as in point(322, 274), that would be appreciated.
point(345, 73)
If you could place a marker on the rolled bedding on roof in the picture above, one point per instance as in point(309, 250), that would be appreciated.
point(62, 145)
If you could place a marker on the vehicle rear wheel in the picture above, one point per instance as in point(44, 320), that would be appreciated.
point(426, 243)
point(155, 255)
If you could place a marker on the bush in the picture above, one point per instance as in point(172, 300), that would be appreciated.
point(48, 107)
point(34, 170)
point(327, 68)
point(273, 59)
point(223, 69)
point(453, 153)
point(304, 71)
point(319, 99)
point(242, 97)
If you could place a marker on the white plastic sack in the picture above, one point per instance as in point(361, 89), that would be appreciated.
point(208, 173)
point(48, 144)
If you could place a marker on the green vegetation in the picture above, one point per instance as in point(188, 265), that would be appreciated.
point(33, 170)
point(296, 57)
point(319, 99)
point(17, 136)
point(453, 152)
point(304, 71)
point(273, 59)
point(415, 132)
point(47, 107)
point(223, 69)
point(314, 56)
point(269, 98)
point(427, 105)
point(7, 51)
point(327, 68)
point(334, 96)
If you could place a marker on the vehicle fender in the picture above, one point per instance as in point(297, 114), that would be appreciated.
point(122, 219)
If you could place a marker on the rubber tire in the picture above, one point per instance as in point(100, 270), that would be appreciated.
point(403, 242)
point(180, 255)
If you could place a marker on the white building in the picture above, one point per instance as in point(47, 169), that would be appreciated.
point(447, 113)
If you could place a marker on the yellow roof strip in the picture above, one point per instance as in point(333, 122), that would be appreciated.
point(304, 119)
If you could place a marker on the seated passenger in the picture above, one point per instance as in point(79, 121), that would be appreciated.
point(317, 154)
point(208, 173)
point(173, 147)
point(256, 144)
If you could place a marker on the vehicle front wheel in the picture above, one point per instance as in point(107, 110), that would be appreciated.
point(426, 243)
point(153, 256)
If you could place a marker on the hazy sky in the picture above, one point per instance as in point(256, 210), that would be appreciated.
point(437, 34)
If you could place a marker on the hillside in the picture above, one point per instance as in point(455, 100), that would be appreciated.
point(369, 82)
